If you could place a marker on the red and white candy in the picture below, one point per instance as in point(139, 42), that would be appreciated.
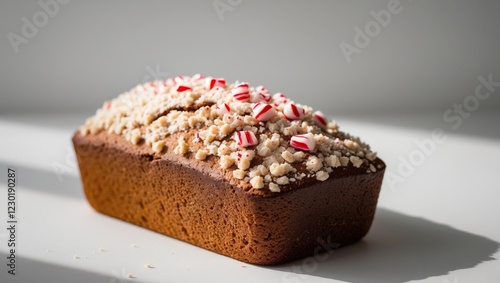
point(293, 112)
point(213, 82)
point(169, 82)
point(179, 79)
point(264, 97)
point(245, 138)
point(303, 142)
point(198, 77)
point(223, 109)
point(197, 137)
point(261, 89)
point(261, 94)
point(263, 112)
point(279, 98)
point(181, 88)
point(320, 119)
point(240, 92)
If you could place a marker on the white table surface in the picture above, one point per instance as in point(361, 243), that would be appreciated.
point(442, 224)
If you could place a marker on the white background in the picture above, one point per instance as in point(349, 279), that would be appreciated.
point(438, 223)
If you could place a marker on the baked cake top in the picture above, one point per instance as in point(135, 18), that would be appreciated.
point(266, 141)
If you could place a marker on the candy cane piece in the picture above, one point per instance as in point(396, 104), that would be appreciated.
point(320, 119)
point(181, 88)
point(303, 142)
point(245, 138)
point(240, 92)
point(293, 112)
point(179, 79)
point(263, 112)
point(213, 82)
point(197, 77)
point(223, 109)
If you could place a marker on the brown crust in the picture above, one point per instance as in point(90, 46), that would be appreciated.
point(197, 202)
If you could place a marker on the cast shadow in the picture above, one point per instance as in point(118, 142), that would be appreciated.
point(30, 270)
point(400, 248)
point(40, 180)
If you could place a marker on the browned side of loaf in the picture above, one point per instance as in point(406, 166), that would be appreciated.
point(179, 201)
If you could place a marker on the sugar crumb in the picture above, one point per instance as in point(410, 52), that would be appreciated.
point(321, 175)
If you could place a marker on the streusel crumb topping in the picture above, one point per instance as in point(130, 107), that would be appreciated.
point(238, 124)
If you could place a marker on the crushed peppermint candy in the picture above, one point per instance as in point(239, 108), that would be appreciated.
point(198, 77)
point(223, 109)
point(240, 92)
point(178, 79)
point(320, 119)
point(261, 95)
point(279, 98)
point(303, 142)
point(293, 112)
point(181, 88)
point(246, 138)
point(212, 82)
point(200, 117)
point(263, 112)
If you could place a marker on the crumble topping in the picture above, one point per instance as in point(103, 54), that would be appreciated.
point(262, 138)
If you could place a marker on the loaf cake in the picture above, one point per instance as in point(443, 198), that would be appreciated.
point(230, 168)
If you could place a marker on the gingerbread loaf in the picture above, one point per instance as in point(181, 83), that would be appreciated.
point(229, 168)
